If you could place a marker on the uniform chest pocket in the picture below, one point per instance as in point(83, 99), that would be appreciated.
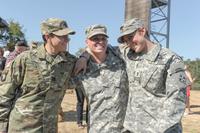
point(60, 74)
point(152, 79)
point(59, 81)
point(32, 76)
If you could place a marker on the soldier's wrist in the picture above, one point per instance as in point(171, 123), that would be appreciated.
point(82, 56)
point(85, 55)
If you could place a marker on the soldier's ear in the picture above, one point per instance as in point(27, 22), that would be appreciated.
point(86, 42)
point(47, 36)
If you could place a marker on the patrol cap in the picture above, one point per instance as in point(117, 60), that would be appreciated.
point(129, 27)
point(21, 43)
point(96, 29)
point(56, 26)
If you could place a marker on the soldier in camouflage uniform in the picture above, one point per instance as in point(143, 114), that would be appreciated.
point(104, 84)
point(157, 82)
point(32, 90)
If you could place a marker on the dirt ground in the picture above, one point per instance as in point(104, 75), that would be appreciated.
point(69, 107)
point(191, 123)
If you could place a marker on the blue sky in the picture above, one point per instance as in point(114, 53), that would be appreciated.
point(184, 29)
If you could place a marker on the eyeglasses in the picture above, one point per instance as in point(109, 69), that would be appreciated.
point(98, 38)
point(65, 36)
point(68, 39)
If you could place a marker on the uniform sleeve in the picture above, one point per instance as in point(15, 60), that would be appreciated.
point(174, 105)
point(123, 49)
point(71, 84)
point(77, 81)
point(11, 79)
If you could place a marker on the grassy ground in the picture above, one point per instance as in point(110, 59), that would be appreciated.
point(191, 123)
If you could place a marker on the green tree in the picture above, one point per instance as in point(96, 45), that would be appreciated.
point(11, 34)
point(14, 34)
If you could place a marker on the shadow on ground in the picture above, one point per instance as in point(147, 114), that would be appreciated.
point(195, 113)
point(70, 116)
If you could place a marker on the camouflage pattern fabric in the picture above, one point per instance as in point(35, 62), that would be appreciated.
point(56, 26)
point(157, 91)
point(32, 90)
point(96, 29)
point(106, 89)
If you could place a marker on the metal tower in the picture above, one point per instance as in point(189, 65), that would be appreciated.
point(155, 13)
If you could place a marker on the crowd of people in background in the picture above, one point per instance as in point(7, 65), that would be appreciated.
point(6, 56)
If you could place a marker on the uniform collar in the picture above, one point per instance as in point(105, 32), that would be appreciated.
point(153, 53)
point(42, 54)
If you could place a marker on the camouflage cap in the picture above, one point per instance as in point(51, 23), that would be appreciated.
point(129, 27)
point(96, 29)
point(56, 26)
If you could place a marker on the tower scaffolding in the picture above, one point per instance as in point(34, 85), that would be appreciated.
point(155, 13)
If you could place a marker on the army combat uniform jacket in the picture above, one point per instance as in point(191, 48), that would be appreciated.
point(157, 94)
point(106, 90)
point(32, 90)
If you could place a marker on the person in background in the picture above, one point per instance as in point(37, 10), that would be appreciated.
point(189, 87)
point(6, 52)
point(20, 47)
point(2, 60)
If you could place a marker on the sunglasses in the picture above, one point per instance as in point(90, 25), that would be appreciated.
point(98, 38)
point(65, 36)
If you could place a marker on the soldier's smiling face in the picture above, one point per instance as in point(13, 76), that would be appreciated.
point(97, 43)
point(136, 40)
